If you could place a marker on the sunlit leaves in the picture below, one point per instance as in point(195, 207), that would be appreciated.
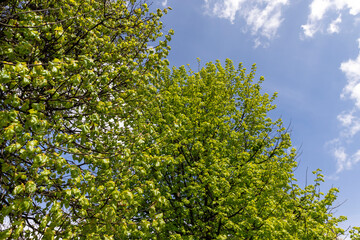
point(100, 140)
point(222, 167)
point(68, 79)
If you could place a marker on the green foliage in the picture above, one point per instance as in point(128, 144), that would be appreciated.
point(223, 167)
point(100, 140)
point(69, 72)
point(355, 233)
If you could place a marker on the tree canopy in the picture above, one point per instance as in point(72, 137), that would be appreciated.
point(224, 167)
point(69, 74)
point(99, 139)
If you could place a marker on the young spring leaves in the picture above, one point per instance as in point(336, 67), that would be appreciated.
point(68, 77)
point(100, 140)
point(222, 166)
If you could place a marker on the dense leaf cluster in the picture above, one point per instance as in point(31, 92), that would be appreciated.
point(99, 139)
point(223, 166)
point(69, 73)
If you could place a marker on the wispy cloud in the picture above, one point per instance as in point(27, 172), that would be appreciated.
point(351, 68)
point(262, 17)
point(349, 120)
point(341, 157)
point(334, 25)
point(326, 16)
point(345, 161)
point(164, 3)
point(350, 124)
point(318, 17)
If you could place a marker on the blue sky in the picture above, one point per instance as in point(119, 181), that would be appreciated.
point(308, 52)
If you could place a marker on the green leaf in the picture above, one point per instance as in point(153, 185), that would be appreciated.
point(30, 187)
point(84, 201)
point(40, 160)
point(13, 147)
point(5, 234)
point(19, 189)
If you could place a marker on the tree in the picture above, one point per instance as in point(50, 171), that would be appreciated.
point(224, 168)
point(69, 72)
point(100, 140)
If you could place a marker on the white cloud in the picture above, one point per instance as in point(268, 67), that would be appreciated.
point(341, 159)
point(354, 6)
point(225, 9)
point(164, 3)
point(344, 161)
point(350, 124)
point(349, 120)
point(319, 10)
point(346, 119)
point(334, 26)
point(263, 17)
point(351, 68)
